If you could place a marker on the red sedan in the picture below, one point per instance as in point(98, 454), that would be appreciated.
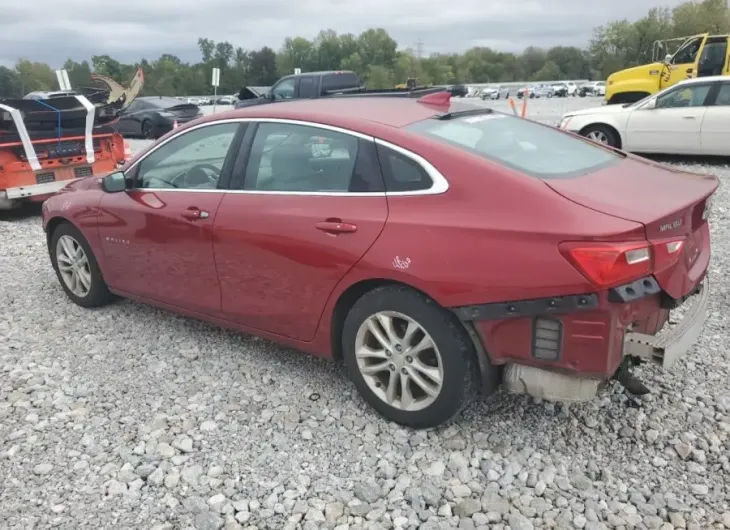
point(437, 249)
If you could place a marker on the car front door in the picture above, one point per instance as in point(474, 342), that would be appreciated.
point(306, 203)
point(284, 89)
point(684, 63)
point(716, 125)
point(673, 125)
point(157, 236)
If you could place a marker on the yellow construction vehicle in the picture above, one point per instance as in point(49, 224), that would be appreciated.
point(696, 56)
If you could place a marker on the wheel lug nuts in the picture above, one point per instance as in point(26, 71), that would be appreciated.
point(404, 371)
point(409, 359)
point(398, 347)
point(388, 354)
point(392, 367)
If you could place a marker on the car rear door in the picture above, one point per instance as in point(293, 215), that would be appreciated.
point(306, 203)
point(716, 125)
point(673, 125)
point(157, 237)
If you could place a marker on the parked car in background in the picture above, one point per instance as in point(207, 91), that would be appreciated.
point(323, 224)
point(542, 90)
point(560, 90)
point(153, 116)
point(226, 100)
point(528, 89)
point(307, 85)
point(495, 92)
point(600, 89)
point(572, 88)
point(689, 118)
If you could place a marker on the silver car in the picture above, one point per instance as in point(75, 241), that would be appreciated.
point(495, 92)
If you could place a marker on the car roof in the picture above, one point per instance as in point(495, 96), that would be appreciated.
point(347, 112)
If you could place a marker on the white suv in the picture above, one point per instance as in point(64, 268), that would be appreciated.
point(572, 88)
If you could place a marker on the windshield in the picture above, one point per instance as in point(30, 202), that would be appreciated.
point(526, 146)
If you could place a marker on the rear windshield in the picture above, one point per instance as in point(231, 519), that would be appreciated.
point(339, 81)
point(537, 150)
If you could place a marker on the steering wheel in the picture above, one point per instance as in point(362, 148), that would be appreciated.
point(206, 170)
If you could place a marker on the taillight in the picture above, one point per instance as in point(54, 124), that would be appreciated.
point(607, 264)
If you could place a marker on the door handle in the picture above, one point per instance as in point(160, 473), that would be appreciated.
point(690, 70)
point(335, 226)
point(689, 117)
point(193, 214)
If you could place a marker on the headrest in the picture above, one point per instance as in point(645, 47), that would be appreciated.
point(290, 161)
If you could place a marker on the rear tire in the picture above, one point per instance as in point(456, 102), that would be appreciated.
point(392, 381)
point(76, 267)
point(601, 134)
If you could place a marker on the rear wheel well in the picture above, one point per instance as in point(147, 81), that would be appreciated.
point(347, 299)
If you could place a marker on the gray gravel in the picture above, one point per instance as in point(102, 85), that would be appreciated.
point(131, 417)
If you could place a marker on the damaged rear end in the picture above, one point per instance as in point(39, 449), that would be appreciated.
point(663, 271)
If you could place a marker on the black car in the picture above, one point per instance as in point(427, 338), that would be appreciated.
point(153, 116)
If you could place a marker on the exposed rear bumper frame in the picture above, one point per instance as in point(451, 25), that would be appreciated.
point(664, 349)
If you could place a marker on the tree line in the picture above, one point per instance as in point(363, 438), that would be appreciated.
point(375, 56)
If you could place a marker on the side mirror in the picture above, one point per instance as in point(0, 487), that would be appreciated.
point(668, 58)
point(114, 182)
point(651, 104)
point(268, 95)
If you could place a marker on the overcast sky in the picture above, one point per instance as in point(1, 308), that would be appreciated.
point(52, 31)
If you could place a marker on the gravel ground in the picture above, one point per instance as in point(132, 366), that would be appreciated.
point(131, 417)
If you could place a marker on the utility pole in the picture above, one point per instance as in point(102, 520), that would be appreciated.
point(419, 47)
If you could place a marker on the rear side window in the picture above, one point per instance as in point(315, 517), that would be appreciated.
point(306, 87)
point(401, 173)
point(537, 150)
point(339, 81)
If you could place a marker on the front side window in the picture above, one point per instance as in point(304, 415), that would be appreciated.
point(285, 89)
point(688, 53)
point(192, 160)
point(302, 158)
point(686, 96)
point(531, 148)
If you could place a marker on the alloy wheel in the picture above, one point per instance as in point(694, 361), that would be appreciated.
point(598, 136)
point(399, 361)
point(73, 264)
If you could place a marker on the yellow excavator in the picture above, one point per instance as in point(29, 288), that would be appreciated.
point(410, 84)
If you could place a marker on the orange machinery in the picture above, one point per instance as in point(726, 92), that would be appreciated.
point(50, 139)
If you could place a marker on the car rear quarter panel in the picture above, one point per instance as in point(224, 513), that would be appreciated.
point(492, 237)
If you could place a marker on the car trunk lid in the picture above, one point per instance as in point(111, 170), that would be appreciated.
point(669, 203)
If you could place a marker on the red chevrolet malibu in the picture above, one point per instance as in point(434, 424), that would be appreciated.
point(437, 249)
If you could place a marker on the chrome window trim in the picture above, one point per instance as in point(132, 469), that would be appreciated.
point(440, 184)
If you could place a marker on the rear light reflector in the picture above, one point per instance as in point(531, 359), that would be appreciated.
point(547, 339)
point(608, 264)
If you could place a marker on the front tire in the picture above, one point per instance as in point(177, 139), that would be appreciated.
point(76, 268)
point(601, 134)
point(409, 358)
